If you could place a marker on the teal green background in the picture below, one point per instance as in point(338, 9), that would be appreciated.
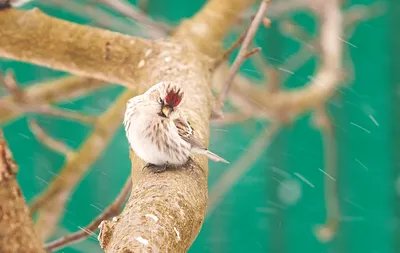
point(252, 217)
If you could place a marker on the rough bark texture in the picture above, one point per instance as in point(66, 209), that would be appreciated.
point(165, 211)
point(17, 233)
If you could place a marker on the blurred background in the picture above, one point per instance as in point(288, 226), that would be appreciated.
point(300, 189)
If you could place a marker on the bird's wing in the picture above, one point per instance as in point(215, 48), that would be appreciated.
point(186, 132)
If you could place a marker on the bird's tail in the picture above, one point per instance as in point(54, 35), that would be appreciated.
point(210, 155)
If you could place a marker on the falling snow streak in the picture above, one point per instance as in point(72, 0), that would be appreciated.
point(373, 120)
point(362, 128)
point(359, 162)
point(326, 174)
point(348, 43)
point(304, 179)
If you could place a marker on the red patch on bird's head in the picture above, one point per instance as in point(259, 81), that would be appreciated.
point(173, 98)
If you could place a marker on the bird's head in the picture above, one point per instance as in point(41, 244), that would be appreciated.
point(163, 98)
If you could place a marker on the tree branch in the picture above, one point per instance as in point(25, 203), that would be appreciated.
point(17, 234)
point(208, 28)
point(111, 211)
point(58, 90)
point(325, 232)
point(243, 52)
point(50, 204)
point(130, 11)
point(34, 37)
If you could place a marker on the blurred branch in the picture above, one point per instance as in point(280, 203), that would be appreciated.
point(230, 118)
point(284, 106)
point(21, 103)
point(112, 210)
point(206, 30)
point(98, 16)
point(17, 233)
point(48, 141)
point(51, 203)
point(58, 90)
point(241, 166)
point(132, 12)
point(327, 231)
point(258, 101)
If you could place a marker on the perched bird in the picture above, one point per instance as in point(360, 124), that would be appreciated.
point(157, 131)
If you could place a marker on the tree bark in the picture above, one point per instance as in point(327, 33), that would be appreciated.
point(17, 233)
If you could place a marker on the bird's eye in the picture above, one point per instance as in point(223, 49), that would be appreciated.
point(160, 100)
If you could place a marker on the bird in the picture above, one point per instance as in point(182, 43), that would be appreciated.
point(158, 132)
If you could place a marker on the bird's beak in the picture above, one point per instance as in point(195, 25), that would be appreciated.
point(166, 110)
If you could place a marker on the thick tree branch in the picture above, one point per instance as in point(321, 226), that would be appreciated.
point(208, 28)
point(17, 233)
point(165, 211)
point(34, 37)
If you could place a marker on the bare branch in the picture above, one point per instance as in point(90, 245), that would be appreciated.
point(48, 92)
point(206, 30)
point(9, 82)
point(130, 11)
point(112, 210)
point(242, 52)
point(230, 118)
point(327, 231)
point(98, 16)
point(78, 49)
point(47, 140)
point(46, 110)
point(230, 50)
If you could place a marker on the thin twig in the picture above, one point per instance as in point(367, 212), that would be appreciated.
point(28, 107)
point(252, 52)
point(111, 211)
point(327, 231)
point(47, 140)
point(59, 90)
point(130, 11)
point(230, 118)
point(241, 57)
point(20, 102)
point(9, 82)
point(229, 51)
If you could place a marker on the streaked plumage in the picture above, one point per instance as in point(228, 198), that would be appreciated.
point(156, 130)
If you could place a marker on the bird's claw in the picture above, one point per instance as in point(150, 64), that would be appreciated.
point(156, 168)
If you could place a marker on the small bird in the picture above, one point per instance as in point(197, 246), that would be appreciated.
point(157, 131)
